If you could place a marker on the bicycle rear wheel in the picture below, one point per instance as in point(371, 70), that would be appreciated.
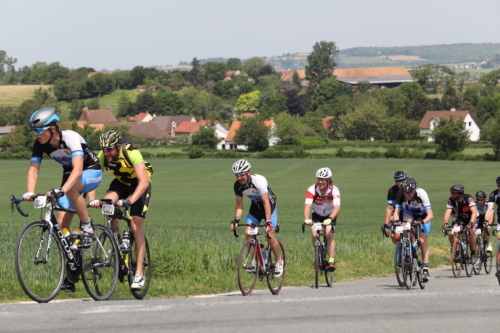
point(274, 282)
point(488, 260)
point(248, 267)
point(398, 254)
point(146, 269)
point(329, 274)
point(101, 264)
point(317, 264)
point(39, 270)
point(467, 260)
point(420, 277)
point(456, 259)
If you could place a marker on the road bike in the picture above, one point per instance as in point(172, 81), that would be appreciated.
point(320, 254)
point(407, 268)
point(41, 272)
point(460, 259)
point(128, 261)
point(484, 258)
point(258, 261)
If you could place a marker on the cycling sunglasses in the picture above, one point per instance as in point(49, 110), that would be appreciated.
point(39, 131)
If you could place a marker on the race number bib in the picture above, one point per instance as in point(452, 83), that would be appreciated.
point(406, 226)
point(317, 226)
point(456, 228)
point(108, 209)
point(253, 231)
point(41, 201)
point(399, 229)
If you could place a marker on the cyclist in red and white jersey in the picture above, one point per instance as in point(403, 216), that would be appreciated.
point(263, 206)
point(324, 199)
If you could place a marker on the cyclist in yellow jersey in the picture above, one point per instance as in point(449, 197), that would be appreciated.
point(131, 188)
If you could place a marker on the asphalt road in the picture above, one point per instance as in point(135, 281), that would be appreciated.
point(375, 305)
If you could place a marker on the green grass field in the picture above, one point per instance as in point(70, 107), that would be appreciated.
point(193, 249)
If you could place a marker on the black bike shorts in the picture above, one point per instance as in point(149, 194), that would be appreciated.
point(141, 206)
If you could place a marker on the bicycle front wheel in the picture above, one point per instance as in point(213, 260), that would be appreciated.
point(488, 260)
point(467, 260)
point(408, 271)
point(398, 255)
point(329, 274)
point(317, 264)
point(146, 269)
point(101, 264)
point(39, 270)
point(275, 280)
point(248, 268)
point(456, 259)
point(476, 266)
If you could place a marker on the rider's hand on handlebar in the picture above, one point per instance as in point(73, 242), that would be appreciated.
point(269, 226)
point(124, 203)
point(94, 203)
point(308, 222)
point(234, 224)
point(27, 196)
point(328, 221)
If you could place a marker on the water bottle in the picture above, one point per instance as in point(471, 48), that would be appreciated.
point(76, 235)
point(265, 254)
point(125, 245)
point(67, 236)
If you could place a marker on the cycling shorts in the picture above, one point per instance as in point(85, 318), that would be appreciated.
point(90, 179)
point(141, 206)
point(319, 218)
point(255, 215)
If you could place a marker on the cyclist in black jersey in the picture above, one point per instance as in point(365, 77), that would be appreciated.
point(494, 198)
point(482, 207)
point(131, 188)
point(399, 177)
point(263, 206)
point(462, 208)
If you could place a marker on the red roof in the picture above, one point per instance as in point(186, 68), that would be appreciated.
point(187, 127)
point(142, 115)
point(326, 121)
point(436, 115)
point(247, 115)
point(236, 126)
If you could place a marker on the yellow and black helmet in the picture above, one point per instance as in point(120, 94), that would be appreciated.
point(109, 139)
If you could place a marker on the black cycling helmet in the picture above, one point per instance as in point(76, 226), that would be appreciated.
point(409, 185)
point(498, 180)
point(457, 189)
point(480, 194)
point(109, 139)
point(400, 175)
point(43, 118)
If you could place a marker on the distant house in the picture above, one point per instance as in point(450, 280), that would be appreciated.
point(431, 119)
point(186, 128)
point(95, 73)
point(229, 143)
point(390, 77)
point(287, 78)
point(4, 130)
point(229, 74)
point(92, 117)
point(168, 124)
point(142, 88)
point(220, 130)
point(142, 117)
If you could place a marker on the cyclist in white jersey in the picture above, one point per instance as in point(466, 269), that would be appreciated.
point(324, 199)
point(263, 206)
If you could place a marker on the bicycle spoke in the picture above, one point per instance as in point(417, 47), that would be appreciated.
point(248, 267)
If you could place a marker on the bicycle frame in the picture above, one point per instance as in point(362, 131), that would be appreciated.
point(254, 233)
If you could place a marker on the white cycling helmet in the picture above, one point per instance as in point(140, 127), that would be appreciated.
point(324, 173)
point(241, 166)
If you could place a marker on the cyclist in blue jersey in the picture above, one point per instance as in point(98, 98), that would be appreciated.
point(82, 172)
point(263, 206)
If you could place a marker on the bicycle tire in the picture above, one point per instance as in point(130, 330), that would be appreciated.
point(488, 260)
point(101, 264)
point(248, 267)
point(498, 262)
point(456, 259)
point(317, 264)
point(275, 283)
point(397, 264)
point(146, 269)
point(329, 274)
point(467, 260)
point(42, 281)
point(479, 258)
point(408, 271)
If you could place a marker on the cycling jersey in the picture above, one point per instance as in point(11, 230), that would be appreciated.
point(481, 213)
point(258, 185)
point(495, 199)
point(461, 210)
point(323, 204)
point(122, 168)
point(416, 206)
point(71, 144)
point(392, 194)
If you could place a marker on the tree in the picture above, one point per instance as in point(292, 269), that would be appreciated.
point(294, 103)
point(253, 133)
point(226, 112)
point(234, 64)
point(76, 109)
point(418, 107)
point(6, 63)
point(487, 108)
point(297, 81)
point(93, 104)
point(495, 136)
point(273, 105)
point(214, 71)
point(145, 103)
point(450, 99)
point(170, 103)
point(248, 102)
point(450, 137)
point(224, 89)
point(206, 136)
point(399, 128)
point(288, 128)
point(123, 102)
point(365, 121)
point(328, 90)
point(393, 99)
point(252, 66)
point(321, 62)
point(491, 78)
point(265, 70)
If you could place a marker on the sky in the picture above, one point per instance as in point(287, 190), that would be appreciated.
point(122, 34)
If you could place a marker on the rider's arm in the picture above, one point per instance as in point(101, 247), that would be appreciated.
point(388, 214)
point(396, 213)
point(447, 215)
point(32, 176)
point(429, 216)
point(335, 213)
point(307, 211)
point(489, 213)
point(76, 173)
point(267, 205)
point(473, 217)
point(142, 177)
point(239, 207)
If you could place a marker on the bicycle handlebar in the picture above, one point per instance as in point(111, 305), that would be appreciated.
point(249, 225)
point(17, 201)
